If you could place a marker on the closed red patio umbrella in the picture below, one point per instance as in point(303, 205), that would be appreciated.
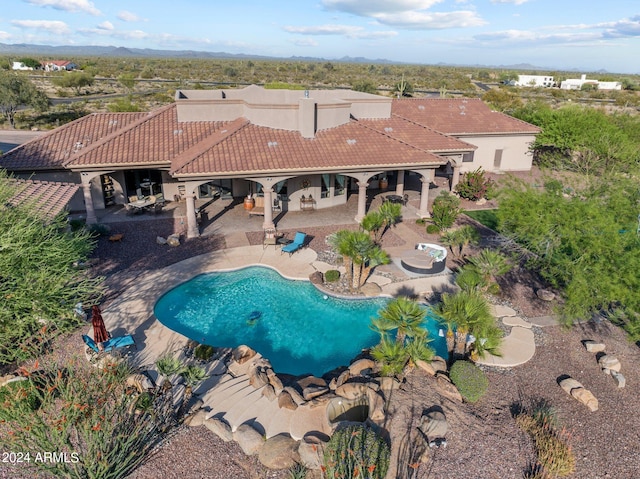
point(100, 334)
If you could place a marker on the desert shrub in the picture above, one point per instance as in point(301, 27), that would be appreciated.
point(297, 471)
point(473, 185)
point(356, 451)
point(432, 229)
point(469, 278)
point(446, 208)
point(99, 229)
point(469, 379)
point(204, 352)
point(332, 276)
point(554, 454)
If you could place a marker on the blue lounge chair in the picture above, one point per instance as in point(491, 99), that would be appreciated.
point(298, 242)
point(111, 344)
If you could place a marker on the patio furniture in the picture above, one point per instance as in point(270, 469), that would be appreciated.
point(298, 242)
point(109, 345)
point(272, 237)
point(258, 208)
point(427, 258)
point(393, 199)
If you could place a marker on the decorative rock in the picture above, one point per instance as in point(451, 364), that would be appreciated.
point(258, 378)
point(310, 381)
point(285, 401)
point(275, 381)
point(433, 425)
point(357, 367)
point(609, 363)
point(161, 240)
point(586, 397)
point(545, 295)
point(388, 384)
point(311, 392)
point(570, 384)
point(269, 392)
point(295, 395)
point(439, 364)
point(279, 452)
point(371, 290)
point(343, 378)
point(333, 384)
point(219, 428)
point(173, 240)
point(448, 390)
point(619, 379)
point(310, 454)
point(242, 354)
point(140, 382)
point(196, 419)
point(352, 390)
point(316, 278)
point(501, 311)
point(426, 367)
point(377, 413)
point(594, 347)
point(249, 440)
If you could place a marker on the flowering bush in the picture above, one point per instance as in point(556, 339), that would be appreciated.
point(474, 186)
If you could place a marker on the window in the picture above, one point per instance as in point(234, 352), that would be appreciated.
point(339, 185)
point(215, 188)
point(467, 157)
point(497, 159)
point(325, 184)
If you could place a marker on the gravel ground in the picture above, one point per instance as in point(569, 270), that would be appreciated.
point(483, 440)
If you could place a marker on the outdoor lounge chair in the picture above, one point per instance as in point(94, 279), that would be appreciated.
point(298, 242)
point(111, 344)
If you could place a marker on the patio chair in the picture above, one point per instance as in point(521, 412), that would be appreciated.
point(298, 242)
point(111, 344)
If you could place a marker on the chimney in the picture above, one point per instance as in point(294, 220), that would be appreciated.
point(307, 117)
point(583, 77)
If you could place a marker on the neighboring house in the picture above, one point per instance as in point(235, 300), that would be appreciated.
point(280, 144)
point(535, 81)
point(20, 66)
point(59, 65)
point(576, 84)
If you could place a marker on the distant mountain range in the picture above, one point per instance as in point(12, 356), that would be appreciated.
point(57, 52)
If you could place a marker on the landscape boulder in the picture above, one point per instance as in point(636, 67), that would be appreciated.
point(173, 240)
point(269, 392)
point(343, 378)
point(316, 278)
point(313, 391)
point(433, 425)
point(361, 366)
point(279, 452)
point(295, 395)
point(285, 401)
point(196, 419)
point(609, 363)
point(352, 390)
point(219, 428)
point(242, 354)
point(249, 440)
point(447, 389)
point(258, 378)
point(594, 347)
point(545, 295)
point(576, 390)
point(619, 379)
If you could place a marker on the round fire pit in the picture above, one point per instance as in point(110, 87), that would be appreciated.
point(427, 258)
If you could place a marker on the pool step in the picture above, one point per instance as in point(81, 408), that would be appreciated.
point(246, 408)
point(306, 419)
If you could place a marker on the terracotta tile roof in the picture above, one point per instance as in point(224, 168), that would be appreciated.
point(50, 197)
point(418, 135)
point(248, 148)
point(52, 150)
point(155, 139)
point(459, 116)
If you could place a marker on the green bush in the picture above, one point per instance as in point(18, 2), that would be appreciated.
point(356, 451)
point(469, 379)
point(446, 208)
point(433, 229)
point(469, 278)
point(473, 185)
point(99, 229)
point(332, 276)
point(204, 352)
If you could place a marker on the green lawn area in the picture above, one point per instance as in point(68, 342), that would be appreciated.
point(486, 217)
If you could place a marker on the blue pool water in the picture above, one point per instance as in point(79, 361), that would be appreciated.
point(299, 329)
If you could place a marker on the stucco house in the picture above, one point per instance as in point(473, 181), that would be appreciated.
point(278, 144)
point(577, 84)
point(535, 81)
point(59, 65)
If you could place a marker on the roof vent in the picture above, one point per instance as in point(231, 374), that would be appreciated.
point(272, 144)
point(351, 141)
point(388, 129)
point(420, 107)
point(78, 145)
point(113, 122)
point(177, 132)
point(223, 131)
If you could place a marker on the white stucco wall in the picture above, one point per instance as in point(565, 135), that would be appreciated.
point(515, 153)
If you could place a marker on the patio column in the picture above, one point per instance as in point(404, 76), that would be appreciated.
point(455, 178)
point(423, 211)
point(88, 199)
point(192, 222)
point(400, 183)
point(362, 200)
point(268, 208)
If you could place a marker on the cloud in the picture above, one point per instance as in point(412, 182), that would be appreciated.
point(627, 27)
point(511, 37)
point(106, 25)
point(112, 32)
point(52, 26)
point(515, 2)
point(343, 30)
point(431, 21)
point(305, 42)
point(4, 35)
point(68, 5)
point(127, 16)
point(371, 8)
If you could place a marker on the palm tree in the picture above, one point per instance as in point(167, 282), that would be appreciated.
point(402, 314)
point(391, 214)
point(391, 355)
point(342, 242)
point(372, 223)
point(468, 312)
point(458, 238)
point(491, 264)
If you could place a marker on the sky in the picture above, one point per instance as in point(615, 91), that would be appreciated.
point(586, 35)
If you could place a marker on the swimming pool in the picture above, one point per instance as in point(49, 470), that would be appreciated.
point(298, 328)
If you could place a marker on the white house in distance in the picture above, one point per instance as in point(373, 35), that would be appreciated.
point(535, 81)
point(577, 83)
point(20, 66)
point(59, 65)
